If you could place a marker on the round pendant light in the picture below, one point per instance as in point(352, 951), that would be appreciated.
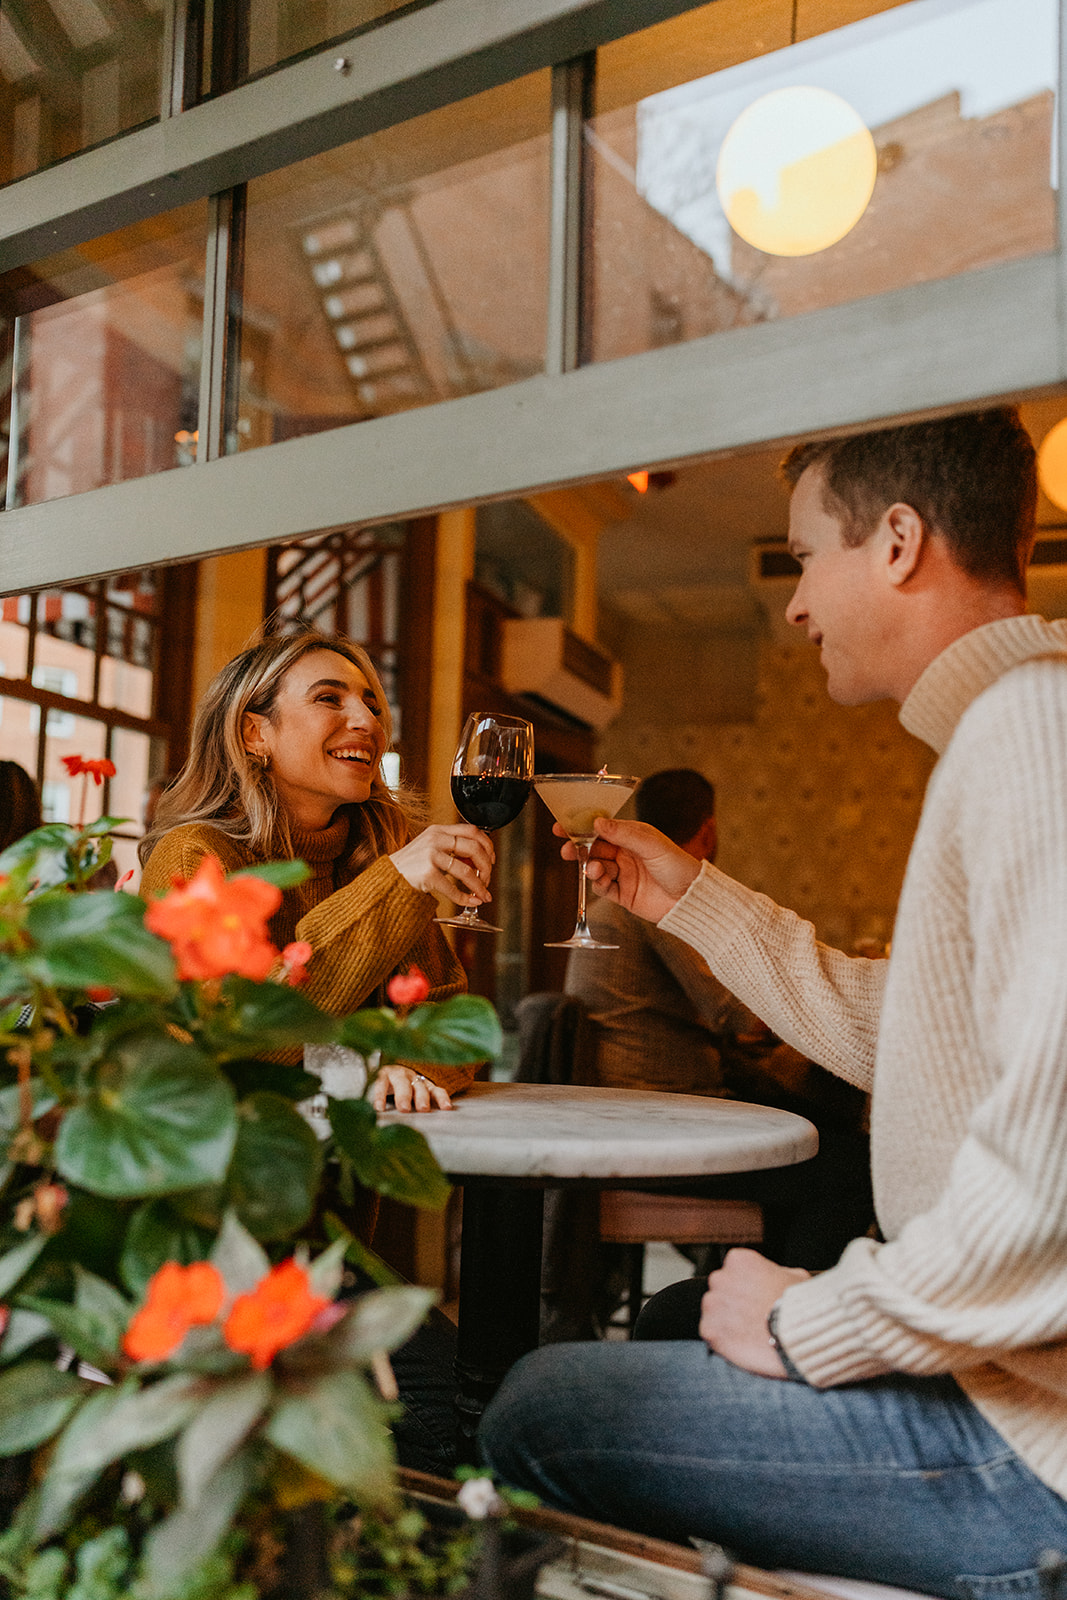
point(796, 171)
point(1052, 464)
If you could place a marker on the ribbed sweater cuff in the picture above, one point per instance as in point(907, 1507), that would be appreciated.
point(822, 1337)
point(714, 911)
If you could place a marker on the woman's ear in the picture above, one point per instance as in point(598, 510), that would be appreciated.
point(906, 539)
point(252, 733)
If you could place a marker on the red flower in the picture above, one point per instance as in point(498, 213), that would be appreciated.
point(408, 988)
point(124, 880)
point(97, 770)
point(216, 925)
point(179, 1298)
point(99, 994)
point(279, 1310)
point(295, 958)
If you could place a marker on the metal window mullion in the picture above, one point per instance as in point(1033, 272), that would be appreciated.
point(211, 411)
point(562, 342)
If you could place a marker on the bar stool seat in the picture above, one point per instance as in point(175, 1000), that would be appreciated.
point(635, 1217)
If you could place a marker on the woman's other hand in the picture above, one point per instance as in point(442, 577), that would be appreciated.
point(455, 861)
point(410, 1091)
point(637, 866)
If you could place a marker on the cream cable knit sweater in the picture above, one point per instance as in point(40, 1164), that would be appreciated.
point(962, 1038)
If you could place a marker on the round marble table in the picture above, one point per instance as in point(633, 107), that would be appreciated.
point(507, 1142)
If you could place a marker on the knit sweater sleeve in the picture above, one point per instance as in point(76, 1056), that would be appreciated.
point(359, 935)
point(977, 1276)
point(818, 999)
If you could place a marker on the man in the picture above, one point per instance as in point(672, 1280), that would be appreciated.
point(903, 1415)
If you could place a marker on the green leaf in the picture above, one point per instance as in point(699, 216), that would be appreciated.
point(370, 1031)
point(157, 1234)
point(276, 1167)
point(338, 1428)
point(89, 1336)
point(102, 1567)
point(259, 1017)
point(102, 825)
point(238, 1257)
point(395, 1160)
point(85, 940)
point(35, 1402)
point(41, 1097)
point(381, 1320)
point(456, 1032)
point(292, 1082)
point(177, 1547)
point(159, 1118)
point(98, 1299)
point(17, 1262)
point(327, 1270)
point(108, 1426)
point(24, 1330)
point(359, 1255)
point(218, 1430)
point(283, 874)
point(43, 856)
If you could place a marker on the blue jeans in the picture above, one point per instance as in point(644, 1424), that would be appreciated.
point(899, 1480)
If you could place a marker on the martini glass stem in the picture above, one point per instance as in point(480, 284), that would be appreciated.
point(582, 929)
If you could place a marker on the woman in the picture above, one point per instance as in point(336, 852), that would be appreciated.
point(20, 805)
point(286, 753)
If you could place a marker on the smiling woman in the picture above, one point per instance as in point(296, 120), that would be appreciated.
point(286, 756)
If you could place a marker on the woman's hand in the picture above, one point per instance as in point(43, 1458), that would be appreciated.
point(410, 1091)
point(637, 866)
point(455, 861)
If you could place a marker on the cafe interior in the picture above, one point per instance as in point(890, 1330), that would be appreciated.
point(477, 335)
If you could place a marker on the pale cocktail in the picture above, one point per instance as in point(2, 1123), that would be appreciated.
point(576, 799)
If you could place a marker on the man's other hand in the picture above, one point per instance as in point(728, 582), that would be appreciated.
point(637, 866)
point(734, 1312)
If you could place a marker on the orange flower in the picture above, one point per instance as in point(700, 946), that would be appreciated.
point(408, 988)
point(179, 1298)
point(97, 770)
point(216, 925)
point(279, 1310)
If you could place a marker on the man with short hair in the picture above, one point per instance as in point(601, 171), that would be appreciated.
point(902, 1416)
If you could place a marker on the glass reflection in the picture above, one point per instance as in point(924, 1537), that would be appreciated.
point(102, 368)
point(280, 29)
point(401, 269)
point(958, 95)
point(72, 74)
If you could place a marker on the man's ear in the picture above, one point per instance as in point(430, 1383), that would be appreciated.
point(906, 535)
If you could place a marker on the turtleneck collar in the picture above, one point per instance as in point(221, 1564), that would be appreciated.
point(971, 664)
point(324, 845)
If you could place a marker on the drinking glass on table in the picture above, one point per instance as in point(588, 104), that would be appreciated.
point(492, 776)
point(576, 799)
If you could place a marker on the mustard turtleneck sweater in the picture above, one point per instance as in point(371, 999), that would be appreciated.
point(962, 1038)
point(362, 927)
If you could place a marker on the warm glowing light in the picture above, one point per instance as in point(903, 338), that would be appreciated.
point(639, 481)
point(1052, 465)
point(796, 171)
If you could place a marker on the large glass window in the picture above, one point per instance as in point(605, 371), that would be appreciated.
point(72, 74)
point(78, 673)
point(919, 146)
point(102, 360)
point(401, 269)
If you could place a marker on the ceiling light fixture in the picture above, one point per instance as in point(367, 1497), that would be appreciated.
point(796, 171)
point(1052, 464)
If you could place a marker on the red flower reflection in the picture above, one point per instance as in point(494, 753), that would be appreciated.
point(98, 770)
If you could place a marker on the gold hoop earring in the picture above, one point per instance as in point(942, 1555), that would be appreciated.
point(261, 758)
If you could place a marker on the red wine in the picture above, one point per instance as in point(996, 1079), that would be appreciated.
point(490, 802)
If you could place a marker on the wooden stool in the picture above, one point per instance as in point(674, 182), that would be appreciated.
point(633, 1217)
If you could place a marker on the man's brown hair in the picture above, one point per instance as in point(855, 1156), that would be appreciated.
point(971, 478)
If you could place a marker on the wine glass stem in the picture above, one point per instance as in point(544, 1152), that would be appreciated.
point(582, 929)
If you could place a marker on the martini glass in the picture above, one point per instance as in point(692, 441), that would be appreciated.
point(576, 799)
point(492, 776)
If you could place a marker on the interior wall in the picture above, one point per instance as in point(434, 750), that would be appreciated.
point(229, 610)
point(817, 803)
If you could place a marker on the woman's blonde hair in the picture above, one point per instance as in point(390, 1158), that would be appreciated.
point(222, 784)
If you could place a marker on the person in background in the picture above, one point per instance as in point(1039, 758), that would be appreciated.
point(901, 1417)
point(20, 804)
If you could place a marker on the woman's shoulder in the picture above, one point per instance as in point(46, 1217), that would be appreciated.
point(180, 851)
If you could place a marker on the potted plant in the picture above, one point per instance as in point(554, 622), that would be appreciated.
point(184, 1389)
